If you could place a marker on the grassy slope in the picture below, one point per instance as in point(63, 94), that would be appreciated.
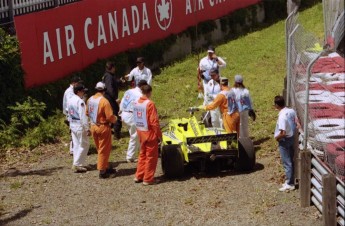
point(258, 56)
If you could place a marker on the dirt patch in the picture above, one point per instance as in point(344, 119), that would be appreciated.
point(47, 192)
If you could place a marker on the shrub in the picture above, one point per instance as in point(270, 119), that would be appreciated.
point(28, 128)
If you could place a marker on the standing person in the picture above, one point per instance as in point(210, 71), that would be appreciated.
point(140, 73)
point(79, 126)
point(126, 109)
point(244, 104)
point(67, 95)
point(221, 101)
point(211, 61)
point(212, 89)
point(147, 123)
point(101, 117)
point(284, 135)
point(112, 94)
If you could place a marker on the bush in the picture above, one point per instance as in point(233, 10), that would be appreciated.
point(11, 74)
point(28, 128)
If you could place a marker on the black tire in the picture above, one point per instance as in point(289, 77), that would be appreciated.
point(172, 161)
point(246, 161)
point(207, 121)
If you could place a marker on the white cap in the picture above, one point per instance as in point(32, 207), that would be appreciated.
point(100, 86)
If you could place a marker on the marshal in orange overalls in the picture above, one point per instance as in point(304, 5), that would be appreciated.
point(101, 130)
point(231, 122)
point(148, 156)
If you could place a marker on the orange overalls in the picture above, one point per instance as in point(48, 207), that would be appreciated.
point(101, 130)
point(231, 122)
point(148, 156)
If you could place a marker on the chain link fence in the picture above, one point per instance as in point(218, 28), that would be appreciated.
point(333, 12)
point(315, 88)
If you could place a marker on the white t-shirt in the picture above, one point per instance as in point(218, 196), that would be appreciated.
point(206, 64)
point(138, 75)
point(291, 116)
point(283, 124)
point(212, 89)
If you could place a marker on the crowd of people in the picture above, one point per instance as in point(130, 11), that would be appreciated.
point(229, 108)
point(104, 112)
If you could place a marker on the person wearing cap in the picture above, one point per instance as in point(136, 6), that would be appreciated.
point(140, 72)
point(112, 93)
point(211, 91)
point(244, 105)
point(221, 102)
point(101, 116)
point(79, 125)
point(211, 61)
point(284, 135)
point(150, 135)
point(66, 96)
point(126, 112)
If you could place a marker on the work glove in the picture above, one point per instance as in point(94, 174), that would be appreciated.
point(201, 107)
point(252, 114)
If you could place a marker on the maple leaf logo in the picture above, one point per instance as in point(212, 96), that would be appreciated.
point(164, 10)
point(164, 13)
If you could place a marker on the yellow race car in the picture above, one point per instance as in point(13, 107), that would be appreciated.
point(187, 140)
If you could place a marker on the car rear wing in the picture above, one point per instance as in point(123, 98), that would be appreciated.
point(212, 138)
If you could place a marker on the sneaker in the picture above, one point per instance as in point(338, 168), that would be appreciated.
point(132, 160)
point(287, 187)
point(145, 183)
point(103, 175)
point(78, 169)
point(136, 180)
point(110, 171)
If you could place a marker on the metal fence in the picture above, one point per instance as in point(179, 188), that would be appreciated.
point(315, 88)
point(333, 12)
point(11, 8)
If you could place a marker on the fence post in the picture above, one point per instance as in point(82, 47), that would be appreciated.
point(56, 3)
point(10, 10)
point(305, 182)
point(297, 158)
point(329, 201)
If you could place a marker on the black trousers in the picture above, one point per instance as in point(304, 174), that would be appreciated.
point(116, 108)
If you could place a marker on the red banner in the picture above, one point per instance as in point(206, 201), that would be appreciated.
point(59, 41)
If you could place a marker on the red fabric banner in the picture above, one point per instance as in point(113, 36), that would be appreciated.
point(59, 41)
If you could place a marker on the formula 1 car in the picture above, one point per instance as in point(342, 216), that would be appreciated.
point(188, 141)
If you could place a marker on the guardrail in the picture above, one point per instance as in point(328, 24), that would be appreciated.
point(11, 8)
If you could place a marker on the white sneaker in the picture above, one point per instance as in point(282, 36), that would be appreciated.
point(287, 187)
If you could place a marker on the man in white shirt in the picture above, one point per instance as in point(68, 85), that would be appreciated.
point(79, 125)
point(212, 89)
point(126, 112)
point(284, 135)
point(140, 73)
point(67, 95)
point(211, 61)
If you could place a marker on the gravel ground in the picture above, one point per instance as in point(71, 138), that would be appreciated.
point(47, 192)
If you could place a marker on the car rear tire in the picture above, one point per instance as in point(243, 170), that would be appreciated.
point(172, 161)
point(206, 120)
point(246, 161)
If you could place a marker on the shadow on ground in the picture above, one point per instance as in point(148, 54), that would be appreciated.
point(13, 172)
point(18, 215)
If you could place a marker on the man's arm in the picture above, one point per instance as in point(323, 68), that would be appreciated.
point(153, 119)
point(215, 103)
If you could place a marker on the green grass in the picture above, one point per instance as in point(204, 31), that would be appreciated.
point(258, 56)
